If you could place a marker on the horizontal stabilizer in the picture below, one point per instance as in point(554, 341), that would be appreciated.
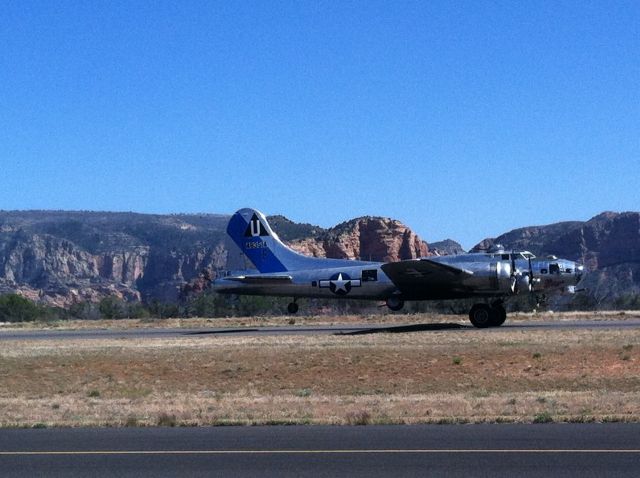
point(261, 279)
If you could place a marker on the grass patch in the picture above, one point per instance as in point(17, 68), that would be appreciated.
point(166, 420)
point(359, 417)
point(302, 421)
point(132, 421)
point(543, 417)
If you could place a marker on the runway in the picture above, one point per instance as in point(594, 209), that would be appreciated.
point(358, 329)
point(568, 450)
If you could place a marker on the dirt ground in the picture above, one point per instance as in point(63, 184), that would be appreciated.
point(422, 377)
point(275, 321)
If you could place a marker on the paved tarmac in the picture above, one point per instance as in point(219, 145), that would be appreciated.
point(550, 450)
point(359, 329)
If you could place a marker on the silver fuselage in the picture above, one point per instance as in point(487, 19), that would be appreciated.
point(488, 275)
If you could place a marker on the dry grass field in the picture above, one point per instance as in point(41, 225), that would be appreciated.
point(423, 377)
point(320, 320)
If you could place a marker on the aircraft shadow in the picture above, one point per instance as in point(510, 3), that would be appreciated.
point(400, 329)
point(396, 329)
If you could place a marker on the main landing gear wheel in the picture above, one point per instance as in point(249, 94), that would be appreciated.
point(394, 303)
point(481, 315)
point(499, 315)
point(485, 315)
point(292, 308)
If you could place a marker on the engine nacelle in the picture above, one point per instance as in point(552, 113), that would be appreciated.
point(503, 275)
point(492, 277)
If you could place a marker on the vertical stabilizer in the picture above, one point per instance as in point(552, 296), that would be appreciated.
point(250, 230)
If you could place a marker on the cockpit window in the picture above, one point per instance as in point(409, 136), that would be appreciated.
point(369, 275)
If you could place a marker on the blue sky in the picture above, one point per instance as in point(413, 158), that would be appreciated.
point(462, 119)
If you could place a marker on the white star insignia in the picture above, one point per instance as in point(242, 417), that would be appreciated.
point(340, 284)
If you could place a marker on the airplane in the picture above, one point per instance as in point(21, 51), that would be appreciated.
point(490, 276)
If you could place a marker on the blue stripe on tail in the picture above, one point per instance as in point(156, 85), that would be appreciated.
point(250, 231)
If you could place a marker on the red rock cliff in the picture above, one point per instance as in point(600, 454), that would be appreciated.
point(366, 238)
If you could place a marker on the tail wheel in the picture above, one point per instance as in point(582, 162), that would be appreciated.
point(482, 316)
point(292, 308)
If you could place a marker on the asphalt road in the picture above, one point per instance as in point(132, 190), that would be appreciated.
point(568, 450)
point(305, 330)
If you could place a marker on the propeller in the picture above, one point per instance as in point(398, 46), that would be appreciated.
point(521, 281)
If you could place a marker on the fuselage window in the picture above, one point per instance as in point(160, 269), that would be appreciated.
point(505, 257)
point(543, 271)
point(369, 275)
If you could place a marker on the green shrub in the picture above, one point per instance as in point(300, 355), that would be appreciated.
point(543, 417)
point(113, 308)
point(15, 308)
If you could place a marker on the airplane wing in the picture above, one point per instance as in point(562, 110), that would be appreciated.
point(261, 279)
point(415, 273)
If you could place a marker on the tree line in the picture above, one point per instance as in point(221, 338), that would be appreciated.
point(15, 308)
